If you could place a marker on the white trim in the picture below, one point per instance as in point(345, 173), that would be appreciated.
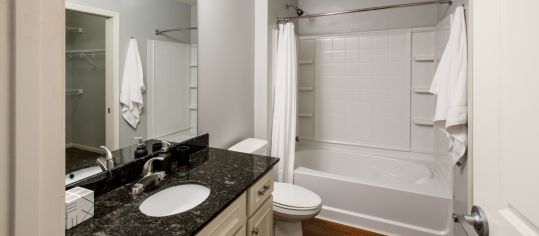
point(112, 70)
point(37, 95)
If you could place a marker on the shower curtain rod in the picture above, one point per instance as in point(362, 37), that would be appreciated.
point(285, 19)
point(158, 32)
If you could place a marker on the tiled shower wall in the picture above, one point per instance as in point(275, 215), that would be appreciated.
point(368, 89)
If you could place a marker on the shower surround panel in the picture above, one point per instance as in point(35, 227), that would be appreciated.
point(363, 89)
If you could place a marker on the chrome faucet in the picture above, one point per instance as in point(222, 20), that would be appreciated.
point(106, 163)
point(149, 178)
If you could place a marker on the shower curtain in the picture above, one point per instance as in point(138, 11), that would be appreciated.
point(283, 140)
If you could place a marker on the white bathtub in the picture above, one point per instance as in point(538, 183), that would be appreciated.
point(386, 195)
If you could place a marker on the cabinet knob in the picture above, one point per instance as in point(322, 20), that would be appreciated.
point(264, 190)
point(254, 231)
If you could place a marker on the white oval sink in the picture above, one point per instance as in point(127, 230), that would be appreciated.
point(82, 174)
point(174, 200)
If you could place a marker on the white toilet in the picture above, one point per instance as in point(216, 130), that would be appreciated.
point(291, 203)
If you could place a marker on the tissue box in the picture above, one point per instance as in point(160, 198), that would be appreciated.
point(79, 206)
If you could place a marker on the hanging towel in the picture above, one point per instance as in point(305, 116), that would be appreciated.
point(132, 85)
point(450, 84)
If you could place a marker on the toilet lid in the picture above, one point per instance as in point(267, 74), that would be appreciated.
point(294, 196)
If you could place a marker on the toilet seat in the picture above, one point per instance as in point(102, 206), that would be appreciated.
point(294, 199)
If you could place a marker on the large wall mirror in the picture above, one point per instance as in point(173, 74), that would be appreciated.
point(131, 71)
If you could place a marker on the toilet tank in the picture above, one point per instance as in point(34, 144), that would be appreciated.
point(251, 145)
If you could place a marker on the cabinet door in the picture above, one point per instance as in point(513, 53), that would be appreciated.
point(230, 222)
point(261, 223)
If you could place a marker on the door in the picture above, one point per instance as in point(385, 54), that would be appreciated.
point(261, 223)
point(505, 127)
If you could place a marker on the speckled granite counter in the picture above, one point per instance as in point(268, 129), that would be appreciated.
point(228, 174)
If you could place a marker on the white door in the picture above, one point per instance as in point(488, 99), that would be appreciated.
point(505, 122)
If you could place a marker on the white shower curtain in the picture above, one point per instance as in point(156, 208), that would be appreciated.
point(283, 140)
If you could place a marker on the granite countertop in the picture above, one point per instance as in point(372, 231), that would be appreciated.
point(228, 174)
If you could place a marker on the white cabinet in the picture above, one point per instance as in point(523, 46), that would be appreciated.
point(250, 214)
point(230, 222)
point(261, 223)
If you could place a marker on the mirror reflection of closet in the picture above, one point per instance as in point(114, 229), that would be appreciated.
point(98, 34)
point(85, 88)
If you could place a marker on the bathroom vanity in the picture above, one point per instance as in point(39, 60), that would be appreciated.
point(239, 202)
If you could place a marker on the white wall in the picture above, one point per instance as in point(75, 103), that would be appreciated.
point(226, 69)
point(266, 11)
point(419, 16)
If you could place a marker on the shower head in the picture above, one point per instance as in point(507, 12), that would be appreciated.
point(298, 10)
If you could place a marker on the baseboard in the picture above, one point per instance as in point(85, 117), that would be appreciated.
point(85, 148)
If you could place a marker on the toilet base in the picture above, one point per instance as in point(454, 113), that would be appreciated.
point(287, 228)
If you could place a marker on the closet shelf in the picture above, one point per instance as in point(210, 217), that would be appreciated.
point(70, 92)
point(422, 121)
point(422, 90)
point(305, 88)
point(74, 29)
point(305, 115)
point(305, 62)
point(424, 58)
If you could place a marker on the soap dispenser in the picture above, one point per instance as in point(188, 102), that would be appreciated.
point(166, 164)
point(141, 148)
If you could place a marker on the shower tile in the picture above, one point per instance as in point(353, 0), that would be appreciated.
point(366, 55)
point(353, 43)
point(381, 41)
point(325, 45)
point(339, 44)
point(339, 57)
point(366, 42)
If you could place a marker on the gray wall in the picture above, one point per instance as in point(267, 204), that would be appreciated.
point(226, 54)
point(139, 19)
point(420, 16)
point(85, 114)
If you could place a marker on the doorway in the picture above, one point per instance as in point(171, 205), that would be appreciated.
point(91, 84)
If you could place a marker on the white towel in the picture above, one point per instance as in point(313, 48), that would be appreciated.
point(450, 84)
point(132, 85)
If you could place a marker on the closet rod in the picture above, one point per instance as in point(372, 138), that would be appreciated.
point(285, 19)
point(158, 32)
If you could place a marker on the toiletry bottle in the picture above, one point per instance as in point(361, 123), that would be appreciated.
point(141, 148)
point(166, 164)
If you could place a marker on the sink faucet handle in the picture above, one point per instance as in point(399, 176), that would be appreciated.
point(148, 166)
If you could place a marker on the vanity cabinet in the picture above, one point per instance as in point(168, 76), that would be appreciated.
point(250, 214)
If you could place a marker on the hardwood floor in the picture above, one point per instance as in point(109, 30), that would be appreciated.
point(319, 227)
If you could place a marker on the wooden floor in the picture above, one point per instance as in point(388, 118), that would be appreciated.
point(318, 227)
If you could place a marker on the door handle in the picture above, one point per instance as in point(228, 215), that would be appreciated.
point(475, 224)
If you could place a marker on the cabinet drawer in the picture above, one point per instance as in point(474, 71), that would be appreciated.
point(259, 192)
point(230, 222)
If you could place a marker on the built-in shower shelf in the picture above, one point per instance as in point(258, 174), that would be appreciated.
point(193, 108)
point(422, 121)
point(424, 58)
point(193, 86)
point(305, 88)
point(305, 115)
point(305, 62)
point(421, 90)
point(193, 65)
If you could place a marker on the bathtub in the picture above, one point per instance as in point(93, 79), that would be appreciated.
point(378, 193)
